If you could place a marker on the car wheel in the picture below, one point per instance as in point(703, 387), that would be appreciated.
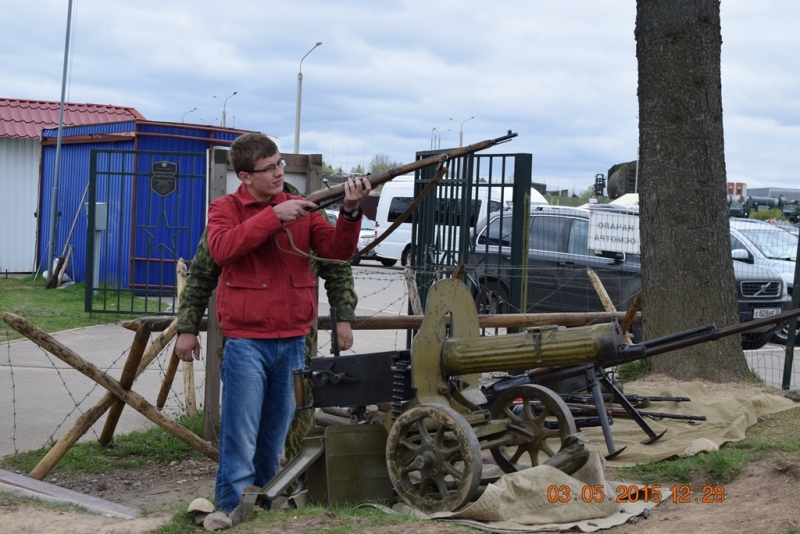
point(404, 256)
point(755, 341)
point(492, 299)
point(387, 262)
point(780, 335)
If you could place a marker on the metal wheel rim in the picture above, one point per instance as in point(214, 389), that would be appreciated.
point(433, 458)
point(553, 406)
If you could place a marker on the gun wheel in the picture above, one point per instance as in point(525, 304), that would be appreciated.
point(539, 411)
point(433, 458)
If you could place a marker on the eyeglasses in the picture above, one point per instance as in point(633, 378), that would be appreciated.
point(271, 168)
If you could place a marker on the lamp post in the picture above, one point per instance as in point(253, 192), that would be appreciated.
point(299, 93)
point(209, 123)
point(433, 138)
point(223, 106)
point(461, 130)
point(439, 140)
point(184, 115)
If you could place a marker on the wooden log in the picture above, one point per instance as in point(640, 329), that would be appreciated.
point(508, 320)
point(91, 416)
point(326, 419)
point(136, 401)
point(126, 381)
point(169, 377)
point(188, 367)
point(608, 305)
point(633, 310)
point(338, 412)
point(413, 322)
point(413, 291)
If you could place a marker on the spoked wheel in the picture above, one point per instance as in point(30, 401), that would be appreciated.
point(434, 458)
point(542, 413)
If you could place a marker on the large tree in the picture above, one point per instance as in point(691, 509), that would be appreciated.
point(687, 270)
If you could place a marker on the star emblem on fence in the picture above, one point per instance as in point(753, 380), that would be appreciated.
point(162, 235)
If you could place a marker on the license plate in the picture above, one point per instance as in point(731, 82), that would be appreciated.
point(760, 313)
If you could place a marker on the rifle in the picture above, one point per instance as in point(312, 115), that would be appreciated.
point(587, 398)
point(331, 195)
point(590, 409)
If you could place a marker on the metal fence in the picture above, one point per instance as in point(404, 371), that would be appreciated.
point(146, 210)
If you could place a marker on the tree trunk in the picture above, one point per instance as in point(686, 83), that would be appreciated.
point(687, 270)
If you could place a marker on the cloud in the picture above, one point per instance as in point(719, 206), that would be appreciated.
point(561, 74)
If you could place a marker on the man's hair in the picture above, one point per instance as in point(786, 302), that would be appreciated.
point(247, 149)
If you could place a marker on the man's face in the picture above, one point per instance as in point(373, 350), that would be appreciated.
point(265, 180)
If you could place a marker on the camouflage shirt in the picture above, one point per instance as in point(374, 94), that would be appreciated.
point(204, 274)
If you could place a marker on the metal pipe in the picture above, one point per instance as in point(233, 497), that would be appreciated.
point(54, 204)
point(299, 96)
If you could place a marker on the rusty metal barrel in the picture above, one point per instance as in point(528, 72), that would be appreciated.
point(534, 348)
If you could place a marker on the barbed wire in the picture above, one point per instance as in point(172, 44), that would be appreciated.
point(766, 363)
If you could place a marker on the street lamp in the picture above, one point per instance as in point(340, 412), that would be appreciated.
point(433, 138)
point(209, 123)
point(184, 115)
point(223, 106)
point(299, 93)
point(439, 140)
point(461, 130)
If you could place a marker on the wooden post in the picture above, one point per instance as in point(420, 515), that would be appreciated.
point(217, 178)
point(188, 368)
point(126, 380)
point(413, 291)
point(172, 366)
point(169, 377)
point(604, 298)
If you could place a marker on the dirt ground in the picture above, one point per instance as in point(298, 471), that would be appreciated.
point(762, 499)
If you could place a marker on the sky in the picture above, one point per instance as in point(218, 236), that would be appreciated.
point(394, 77)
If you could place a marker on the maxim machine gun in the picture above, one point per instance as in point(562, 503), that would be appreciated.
point(442, 420)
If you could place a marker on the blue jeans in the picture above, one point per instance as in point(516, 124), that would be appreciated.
point(257, 409)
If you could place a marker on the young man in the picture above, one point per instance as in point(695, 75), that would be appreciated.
point(266, 301)
point(202, 280)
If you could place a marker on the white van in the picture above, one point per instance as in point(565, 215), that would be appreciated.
point(398, 194)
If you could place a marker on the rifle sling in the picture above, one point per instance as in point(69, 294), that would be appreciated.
point(401, 219)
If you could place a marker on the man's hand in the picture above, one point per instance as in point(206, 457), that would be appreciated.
point(293, 210)
point(355, 191)
point(345, 333)
point(188, 345)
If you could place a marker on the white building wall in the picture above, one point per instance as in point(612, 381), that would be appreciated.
point(19, 193)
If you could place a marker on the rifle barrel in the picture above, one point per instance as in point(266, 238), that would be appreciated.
point(384, 176)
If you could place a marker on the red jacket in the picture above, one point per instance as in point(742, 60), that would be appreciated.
point(265, 291)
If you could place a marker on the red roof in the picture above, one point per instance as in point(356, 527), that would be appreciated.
point(27, 118)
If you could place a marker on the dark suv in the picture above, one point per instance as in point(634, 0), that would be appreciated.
point(558, 281)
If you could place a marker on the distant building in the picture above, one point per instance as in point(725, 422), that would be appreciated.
point(21, 125)
point(737, 188)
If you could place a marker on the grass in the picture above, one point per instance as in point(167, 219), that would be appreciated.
point(52, 310)
point(133, 450)
point(777, 437)
point(324, 520)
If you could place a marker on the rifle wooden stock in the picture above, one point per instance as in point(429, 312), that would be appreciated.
point(384, 176)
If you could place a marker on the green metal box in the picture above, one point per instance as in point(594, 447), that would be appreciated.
point(352, 470)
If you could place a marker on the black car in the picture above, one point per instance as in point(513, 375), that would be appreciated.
point(558, 280)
